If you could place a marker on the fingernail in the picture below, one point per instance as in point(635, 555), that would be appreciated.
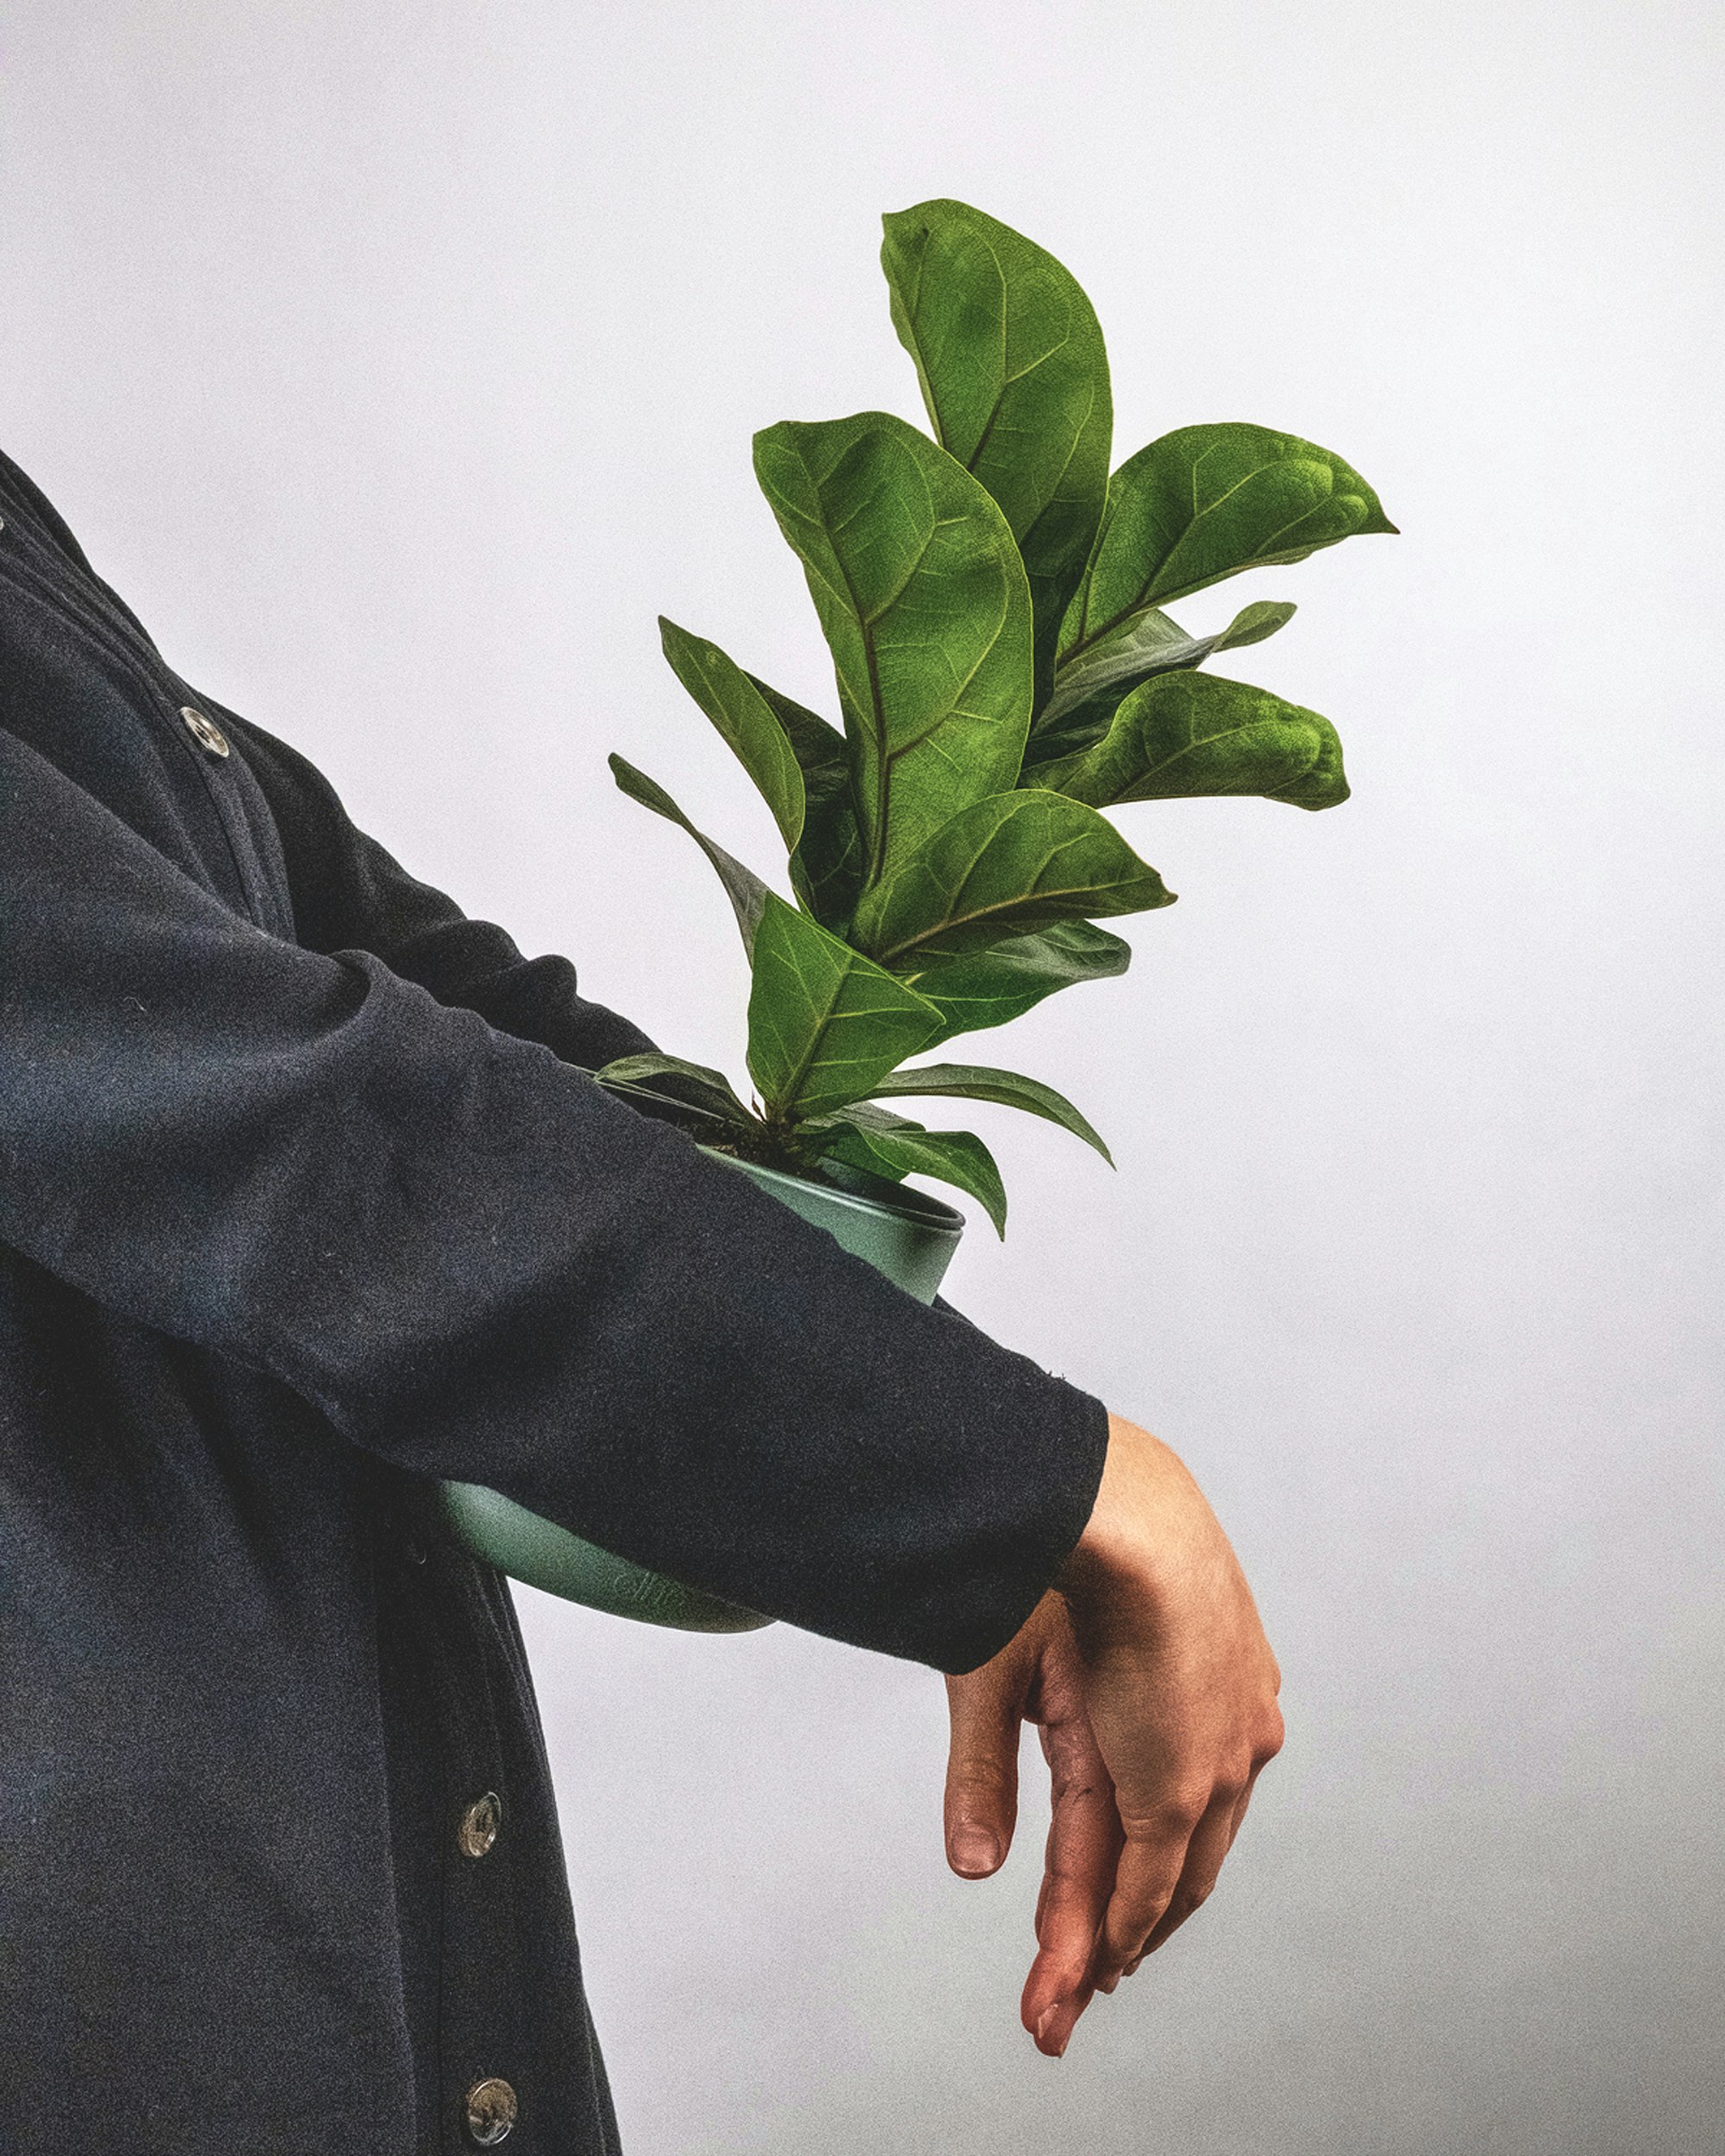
point(1047, 2022)
point(974, 1851)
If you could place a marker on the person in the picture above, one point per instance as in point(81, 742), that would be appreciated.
point(306, 1200)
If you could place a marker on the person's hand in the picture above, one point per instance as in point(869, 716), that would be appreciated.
point(1155, 1688)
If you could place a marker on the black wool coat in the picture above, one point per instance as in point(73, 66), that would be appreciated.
point(302, 1206)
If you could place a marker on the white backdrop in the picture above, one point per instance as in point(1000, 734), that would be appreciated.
point(400, 361)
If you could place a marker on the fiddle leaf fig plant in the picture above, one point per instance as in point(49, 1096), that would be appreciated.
point(994, 601)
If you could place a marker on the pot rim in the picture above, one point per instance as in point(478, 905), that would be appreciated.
point(932, 1215)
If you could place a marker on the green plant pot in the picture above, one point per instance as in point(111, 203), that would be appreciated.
point(904, 1234)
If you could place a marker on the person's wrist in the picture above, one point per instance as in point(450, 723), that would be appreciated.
point(1144, 1499)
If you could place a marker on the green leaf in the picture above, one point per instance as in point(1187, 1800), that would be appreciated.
point(1015, 862)
point(825, 1024)
point(975, 989)
point(1146, 643)
point(1253, 625)
point(865, 1114)
point(1015, 376)
point(826, 868)
point(977, 1081)
point(744, 719)
point(1203, 503)
point(924, 603)
point(691, 1085)
point(953, 1157)
point(1188, 734)
point(745, 890)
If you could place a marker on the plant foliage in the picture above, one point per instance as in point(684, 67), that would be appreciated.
point(995, 603)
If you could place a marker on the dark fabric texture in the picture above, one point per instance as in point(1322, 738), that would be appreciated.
point(303, 1205)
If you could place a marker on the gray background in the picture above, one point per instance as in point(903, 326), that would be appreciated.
point(399, 362)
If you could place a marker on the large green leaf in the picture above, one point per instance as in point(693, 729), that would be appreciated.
point(1015, 376)
point(1015, 861)
point(745, 890)
point(978, 1081)
point(1203, 503)
point(1188, 734)
point(672, 1078)
point(975, 989)
point(924, 603)
point(953, 1157)
point(745, 720)
point(826, 868)
point(1149, 642)
point(825, 1024)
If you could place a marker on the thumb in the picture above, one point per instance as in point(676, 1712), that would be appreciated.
point(982, 1771)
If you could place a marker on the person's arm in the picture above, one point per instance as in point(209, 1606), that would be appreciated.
point(479, 1265)
point(1155, 1690)
point(1152, 1606)
point(348, 893)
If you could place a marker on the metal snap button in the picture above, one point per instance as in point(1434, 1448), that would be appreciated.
point(480, 1823)
point(489, 2110)
point(203, 732)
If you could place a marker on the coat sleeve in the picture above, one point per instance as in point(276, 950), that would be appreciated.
point(349, 894)
point(477, 1264)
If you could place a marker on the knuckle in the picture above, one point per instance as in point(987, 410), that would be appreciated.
point(1182, 1809)
point(983, 1778)
point(1171, 1816)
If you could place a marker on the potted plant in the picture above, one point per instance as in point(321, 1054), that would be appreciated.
point(994, 598)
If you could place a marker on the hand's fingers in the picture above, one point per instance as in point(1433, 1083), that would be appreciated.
point(1084, 1842)
point(1150, 1870)
point(982, 1773)
point(1236, 1818)
point(1204, 1855)
point(1150, 1905)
